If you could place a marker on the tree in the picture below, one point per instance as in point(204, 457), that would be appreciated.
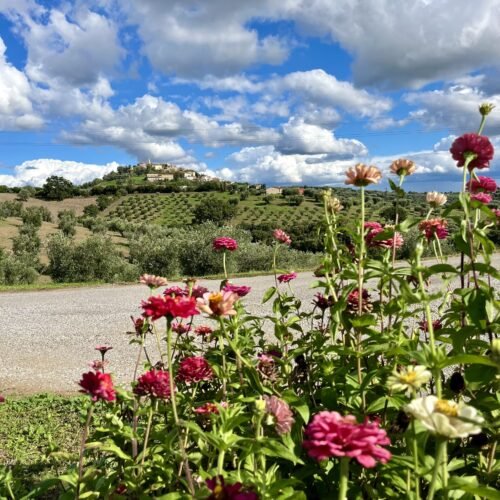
point(214, 210)
point(56, 188)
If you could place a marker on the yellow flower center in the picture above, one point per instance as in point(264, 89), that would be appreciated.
point(214, 301)
point(408, 378)
point(446, 408)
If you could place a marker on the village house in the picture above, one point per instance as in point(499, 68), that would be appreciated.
point(159, 177)
point(273, 190)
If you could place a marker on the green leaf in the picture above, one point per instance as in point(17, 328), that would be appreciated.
point(364, 320)
point(442, 268)
point(471, 359)
point(269, 293)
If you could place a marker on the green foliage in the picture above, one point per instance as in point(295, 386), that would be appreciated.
point(91, 210)
point(15, 270)
point(214, 210)
point(11, 209)
point(56, 188)
point(67, 222)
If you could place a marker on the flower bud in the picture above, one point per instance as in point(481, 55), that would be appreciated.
point(486, 108)
point(260, 405)
point(457, 383)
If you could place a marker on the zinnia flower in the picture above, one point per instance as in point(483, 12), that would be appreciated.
point(286, 278)
point(2, 398)
point(224, 243)
point(282, 237)
point(138, 325)
point(408, 379)
point(218, 304)
point(435, 199)
point(203, 330)
point(169, 306)
point(279, 414)
point(322, 301)
point(402, 167)
point(98, 365)
point(153, 281)
point(374, 229)
point(483, 198)
point(154, 383)
point(98, 385)
point(353, 301)
point(496, 212)
point(175, 291)
point(446, 418)
point(475, 144)
point(332, 435)
point(180, 328)
point(363, 175)
point(198, 291)
point(222, 491)
point(240, 290)
point(194, 369)
point(436, 325)
point(482, 185)
point(431, 227)
point(208, 408)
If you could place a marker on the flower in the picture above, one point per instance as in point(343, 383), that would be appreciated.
point(198, 291)
point(436, 325)
point(98, 365)
point(402, 167)
point(241, 290)
point(180, 328)
point(153, 281)
point(280, 414)
point(171, 306)
point(484, 198)
point(322, 301)
point(194, 369)
point(374, 229)
point(496, 212)
point(98, 385)
point(332, 435)
point(409, 378)
point(286, 278)
point(282, 237)
point(175, 291)
point(103, 349)
point(138, 325)
point(153, 383)
point(362, 175)
point(482, 185)
point(218, 303)
point(431, 227)
point(435, 199)
point(486, 108)
point(203, 330)
point(353, 301)
point(472, 144)
point(222, 491)
point(446, 418)
point(208, 408)
point(224, 243)
point(2, 398)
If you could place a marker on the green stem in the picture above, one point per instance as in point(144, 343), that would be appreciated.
point(344, 478)
point(220, 462)
point(152, 407)
point(223, 356)
point(224, 264)
point(440, 451)
point(415, 460)
point(85, 433)
point(360, 291)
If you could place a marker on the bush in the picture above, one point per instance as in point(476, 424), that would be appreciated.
point(67, 222)
point(91, 211)
point(11, 209)
point(26, 245)
point(214, 210)
point(56, 188)
point(15, 270)
point(295, 200)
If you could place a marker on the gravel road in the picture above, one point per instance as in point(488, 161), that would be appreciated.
point(48, 337)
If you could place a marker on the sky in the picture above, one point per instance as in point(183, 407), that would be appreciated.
point(282, 92)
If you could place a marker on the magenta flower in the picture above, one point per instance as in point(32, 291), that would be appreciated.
point(194, 369)
point(483, 198)
point(98, 385)
point(222, 491)
point(224, 243)
point(332, 435)
point(203, 330)
point(240, 290)
point(153, 281)
point(180, 328)
point(170, 306)
point(198, 291)
point(286, 278)
point(436, 325)
point(103, 349)
point(280, 414)
point(482, 185)
point(431, 227)
point(175, 291)
point(154, 383)
point(282, 237)
point(322, 301)
point(374, 229)
point(353, 301)
point(478, 145)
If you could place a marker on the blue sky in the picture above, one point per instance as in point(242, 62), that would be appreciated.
point(274, 91)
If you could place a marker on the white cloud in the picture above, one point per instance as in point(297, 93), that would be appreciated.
point(35, 172)
point(16, 108)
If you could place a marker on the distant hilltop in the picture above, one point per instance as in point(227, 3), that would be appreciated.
point(157, 172)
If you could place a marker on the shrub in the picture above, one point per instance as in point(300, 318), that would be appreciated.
point(67, 222)
point(214, 210)
point(56, 188)
point(91, 210)
point(26, 245)
point(11, 209)
point(15, 270)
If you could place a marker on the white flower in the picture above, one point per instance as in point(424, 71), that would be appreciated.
point(435, 199)
point(408, 379)
point(446, 418)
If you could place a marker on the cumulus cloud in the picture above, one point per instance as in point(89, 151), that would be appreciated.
point(35, 172)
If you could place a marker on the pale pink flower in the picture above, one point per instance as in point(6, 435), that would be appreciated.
point(280, 414)
point(402, 167)
point(153, 281)
point(282, 237)
point(218, 303)
point(362, 175)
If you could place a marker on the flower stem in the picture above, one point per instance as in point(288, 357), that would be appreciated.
point(85, 433)
point(224, 264)
point(223, 356)
point(344, 478)
point(438, 464)
point(360, 290)
point(152, 407)
point(415, 460)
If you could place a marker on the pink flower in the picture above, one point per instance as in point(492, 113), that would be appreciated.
point(103, 349)
point(483, 198)
point(482, 185)
point(280, 413)
point(198, 291)
point(224, 243)
point(2, 398)
point(194, 369)
point(98, 385)
point(218, 303)
point(241, 290)
point(222, 491)
point(154, 383)
point(353, 301)
point(331, 435)
point(203, 330)
point(496, 212)
point(431, 227)
point(159, 306)
point(282, 237)
point(478, 145)
point(98, 365)
point(436, 325)
point(138, 324)
point(286, 278)
point(374, 229)
point(208, 408)
point(175, 291)
point(180, 328)
point(322, 301)
point(153, 281)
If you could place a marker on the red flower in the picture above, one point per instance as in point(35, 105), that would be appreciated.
point(180, 328)
point(374, 229)
point(322, 301)
point(280, 413)
point(203, 330)
point(194, 369)
point(154, 383)
point(482, 185)
point(98, 385)
point(331, 435)
point(222, 491)
point(2, 398)
point(282, 237)
point(353, 301)
point(198, 291)
point(169, 306)
point(224, 243)
point(175, 291)
point(436, 325)
point(431, 227)
point(286, 278)
point(138, 325)
point(241, 290)
point(483, 198)
point(478, 145)
point(208, 408)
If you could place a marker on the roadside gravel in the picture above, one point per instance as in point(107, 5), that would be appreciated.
point(47, 338)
